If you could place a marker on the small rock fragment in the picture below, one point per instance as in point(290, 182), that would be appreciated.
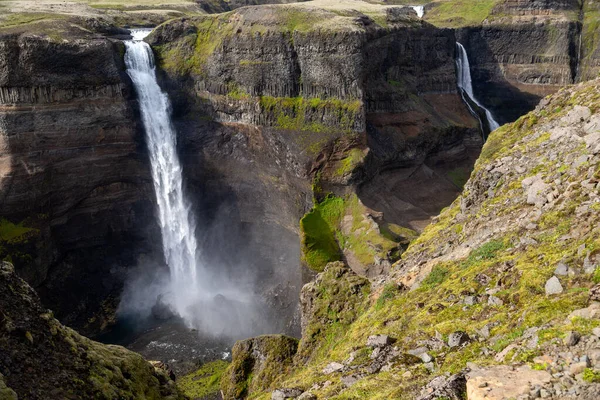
point(379, 341)
point(283, 394)
point(333, 367)
point(572, 338)
point(553, 286)
point(458, 339)
point(561, 269)
point(307, 396)
point(495, 301)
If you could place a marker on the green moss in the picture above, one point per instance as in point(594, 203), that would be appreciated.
point(348, 164)
point(459, 13)
point(16, 19)
point(11, 233)
point(203, 382)
point(256, 364)
point(437, 275)
point(591, 375)
point(317, 227)
point(298, 113)
point(389, 292)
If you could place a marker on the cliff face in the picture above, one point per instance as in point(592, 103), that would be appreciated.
point(513, 67)
point(45, 359)
point(74, 172)
point(521, 51)
point(313, 96)
point(496, 297)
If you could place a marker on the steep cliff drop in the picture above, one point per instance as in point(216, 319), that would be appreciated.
point(206, 301)
point(465, 85)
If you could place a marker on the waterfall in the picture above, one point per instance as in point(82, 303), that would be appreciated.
point(419, 9)
point(207, 299)
point(174, 215)
point(466, 87)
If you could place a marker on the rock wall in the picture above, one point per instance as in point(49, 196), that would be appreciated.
point(513, 66)
point(289, 104)
point(73, 168)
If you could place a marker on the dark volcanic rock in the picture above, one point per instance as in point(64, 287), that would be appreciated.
point(74, 168)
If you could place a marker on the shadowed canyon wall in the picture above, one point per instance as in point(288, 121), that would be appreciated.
point(274, 107)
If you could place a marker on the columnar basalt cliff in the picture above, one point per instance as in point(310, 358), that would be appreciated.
point(74, 173)
point(323, 97)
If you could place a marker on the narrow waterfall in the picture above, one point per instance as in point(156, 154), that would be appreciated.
point(175, 217)
point(420, 10)
point(466, 87)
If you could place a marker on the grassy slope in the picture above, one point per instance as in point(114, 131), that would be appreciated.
point(519, 271)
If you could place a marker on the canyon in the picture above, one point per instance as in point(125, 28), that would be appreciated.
point(345, 116)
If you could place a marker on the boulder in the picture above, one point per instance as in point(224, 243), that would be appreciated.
point(595, 293)
point(572, 338)
point(458, 339)
point(561, 269)
point(379, 341)
point(333, 367)
point(283, 394)
point(553, 286)
point(451, 387)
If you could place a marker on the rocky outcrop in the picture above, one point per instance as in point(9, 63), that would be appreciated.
point(335, 297)
point(256, 363)
point(73, 170)
point(48, 360)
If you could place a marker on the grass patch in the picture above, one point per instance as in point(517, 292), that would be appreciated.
point(348, 164)
point(12, 233)
point(437, 275)
point(203, 382)
point(459, 13)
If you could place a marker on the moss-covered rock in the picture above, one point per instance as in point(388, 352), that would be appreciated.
point(49, 360)
point(342, 227)
point(256, 363)
point(329, 305)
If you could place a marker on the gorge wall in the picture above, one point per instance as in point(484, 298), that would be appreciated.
point(275, 107)
point(75, 186)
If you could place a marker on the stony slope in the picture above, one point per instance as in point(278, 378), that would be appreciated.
point(505, 279)
point(43, 359)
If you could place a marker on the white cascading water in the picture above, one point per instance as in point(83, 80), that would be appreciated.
point(466, 86)
point(204, 299)
point(175, 217)
point(420, 10)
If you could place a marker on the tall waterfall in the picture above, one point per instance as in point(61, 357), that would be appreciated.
point(175, 217)
point(466, 86)
point(420, 10)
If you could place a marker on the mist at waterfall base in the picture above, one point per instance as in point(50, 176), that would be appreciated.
point(465, 84)
point(207, 298)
